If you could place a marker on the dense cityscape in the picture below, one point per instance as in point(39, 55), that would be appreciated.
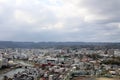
point(64, 63)
point(59, 39)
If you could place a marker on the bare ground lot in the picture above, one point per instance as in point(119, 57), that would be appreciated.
point(89, 78)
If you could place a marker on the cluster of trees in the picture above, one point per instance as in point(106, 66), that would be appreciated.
point(113, 61)
point(94, 56)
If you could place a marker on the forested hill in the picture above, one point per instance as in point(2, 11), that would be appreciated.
point(11, 44)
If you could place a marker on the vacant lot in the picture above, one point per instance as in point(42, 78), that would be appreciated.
point(89, 78)
point(107, 79)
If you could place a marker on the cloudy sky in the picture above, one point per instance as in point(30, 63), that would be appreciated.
point(60, 20)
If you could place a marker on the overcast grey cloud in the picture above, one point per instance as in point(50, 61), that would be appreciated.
point(60, 20)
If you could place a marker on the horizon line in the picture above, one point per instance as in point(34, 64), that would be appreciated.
point(61, 41)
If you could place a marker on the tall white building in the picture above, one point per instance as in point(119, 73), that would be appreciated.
point(0, 60)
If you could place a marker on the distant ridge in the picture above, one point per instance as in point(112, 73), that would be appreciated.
point(13, 44)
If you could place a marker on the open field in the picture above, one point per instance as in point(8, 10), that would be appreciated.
point(88, 78)
point(107, 78)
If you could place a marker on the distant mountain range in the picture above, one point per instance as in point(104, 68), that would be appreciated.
point(12, 44)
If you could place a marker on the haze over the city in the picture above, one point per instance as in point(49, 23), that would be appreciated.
point(60, 20)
